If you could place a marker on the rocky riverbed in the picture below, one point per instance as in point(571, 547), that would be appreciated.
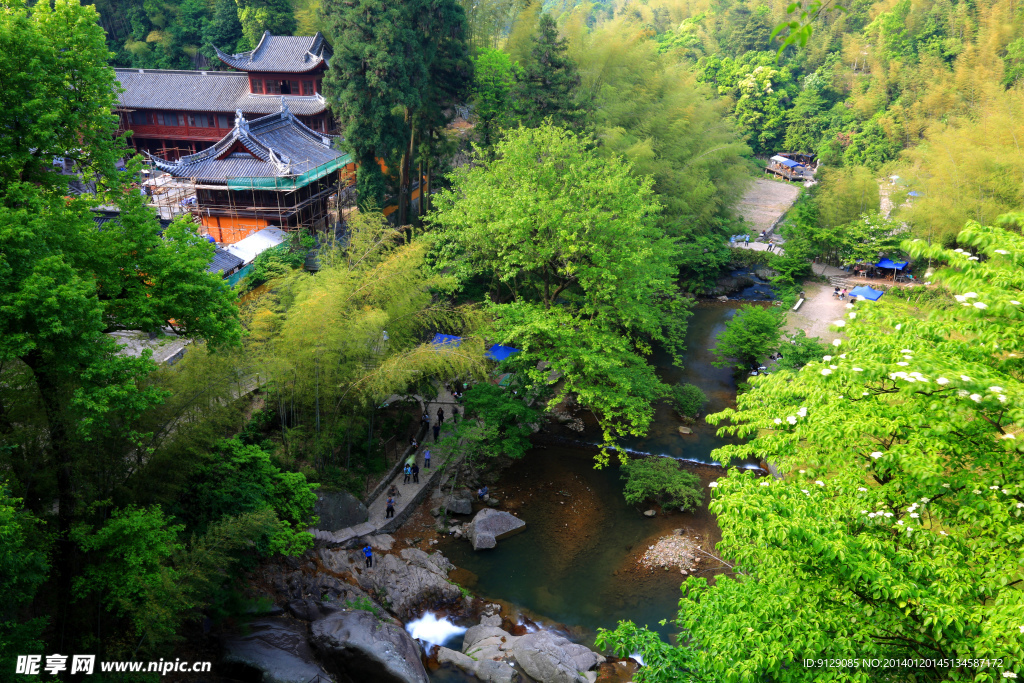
point(327, 614)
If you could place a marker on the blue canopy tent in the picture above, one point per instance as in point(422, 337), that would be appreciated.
point(446, 340)
point(499, 353)
point(886, 263)
point(865, 292)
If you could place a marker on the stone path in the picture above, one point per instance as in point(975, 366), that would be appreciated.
point(408, 493)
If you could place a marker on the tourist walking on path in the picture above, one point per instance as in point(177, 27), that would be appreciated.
point(391, 508)
point(425, 420)
point(415, 473)
point(440, 416)
point(368, 554)
point(455, 415)
point(408, 473)
point(437, 432)
point(393, 491)
point(426, 459)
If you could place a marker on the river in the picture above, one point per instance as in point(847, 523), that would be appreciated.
point(575, 566)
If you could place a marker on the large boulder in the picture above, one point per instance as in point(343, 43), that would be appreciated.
point(276, 648)
point(357, 647)
point(490, 653)
point(338, 510)
point(545, 659)
point(459, 503)
point(410, 580)
point(490, 526)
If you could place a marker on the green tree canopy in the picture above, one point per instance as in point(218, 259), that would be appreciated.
point(548, 85)
point(749, 336)
point(582, 274)
point(896, 530)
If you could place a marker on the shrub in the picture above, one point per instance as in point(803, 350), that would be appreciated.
point(801, 351)
point(687, 399)
point(663, 480)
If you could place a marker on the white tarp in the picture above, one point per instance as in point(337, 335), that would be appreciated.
point(257, 243)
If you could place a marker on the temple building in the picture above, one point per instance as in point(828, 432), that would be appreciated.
point(178, 113)
point(273, 171)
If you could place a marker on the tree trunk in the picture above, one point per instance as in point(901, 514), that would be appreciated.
point(50, 392)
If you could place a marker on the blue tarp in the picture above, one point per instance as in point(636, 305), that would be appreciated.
point(865, 292)
point(889, 265)
point(914, 194)
point(446, 340)
point(499, 353)
point(786, 162)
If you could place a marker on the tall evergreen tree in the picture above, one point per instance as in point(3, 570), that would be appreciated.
point(223, 30)
point(549, 85)
point(374, 81)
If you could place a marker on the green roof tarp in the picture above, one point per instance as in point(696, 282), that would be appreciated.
point(290, 182)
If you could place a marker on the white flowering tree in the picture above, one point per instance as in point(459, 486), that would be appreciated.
point(897, 530)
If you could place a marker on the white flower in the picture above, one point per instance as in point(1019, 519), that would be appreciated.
point(826, 358)
point(979, 304)
point(852, 315)
point(887, 514)
point(909, 357)
point(764, 483)
point(837, 342)
point(1020, 505)
point(863, 512)
point(993, 488)
point(976, 492)
point(843, 356)
point(802, 412)
point(864, 393)
point(849, 305)
point(959, 251)
point(777, 420)
point(929, 273)
point(960, 297)
point(861, 488)
point(971, 295)
point(826, 371)
point(871, 514)
point(945, 486)
point(906, 351)
point(713, 484)
point(976, 398)
point(834, 367)
point(972, 258)
point(1021, 629)
point(996, 390)
point(900, 522)
point(806, 491)
point(911, 379)
point(926, 500)
point(876, 455)
point(899, 326)
point(791, 419)
point(1014, 302)
point(903, 363)
point(1009, 674)
point(840, 396)
point(914, 515)
point(858, 369)
point(1006, 491)
point(965, 378)
point(942, 380)
point(1002, 399)
point(1009, 436)
point(820, 482)
point(1002, 251)
point(840, 323)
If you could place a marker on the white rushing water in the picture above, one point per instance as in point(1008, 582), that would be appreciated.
point(430, 629)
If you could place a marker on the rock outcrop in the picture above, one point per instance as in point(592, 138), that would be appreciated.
point(494, 655)
point(490, 526)
point(411, 580)
point(356, 646)
point(276, 647)
point(338, 510)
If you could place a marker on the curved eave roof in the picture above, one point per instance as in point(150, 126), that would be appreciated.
point(281, 54)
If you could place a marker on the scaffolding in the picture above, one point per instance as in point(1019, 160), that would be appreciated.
point(231, 211)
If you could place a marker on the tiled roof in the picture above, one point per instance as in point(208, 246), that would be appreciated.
point(223, 262)
point(282, 54)
point(102, 217)
point(204, 91)
point(275, 146)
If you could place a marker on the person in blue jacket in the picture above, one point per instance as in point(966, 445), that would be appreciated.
point(368, 554)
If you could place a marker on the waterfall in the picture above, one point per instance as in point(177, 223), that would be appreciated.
point(430, 629)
